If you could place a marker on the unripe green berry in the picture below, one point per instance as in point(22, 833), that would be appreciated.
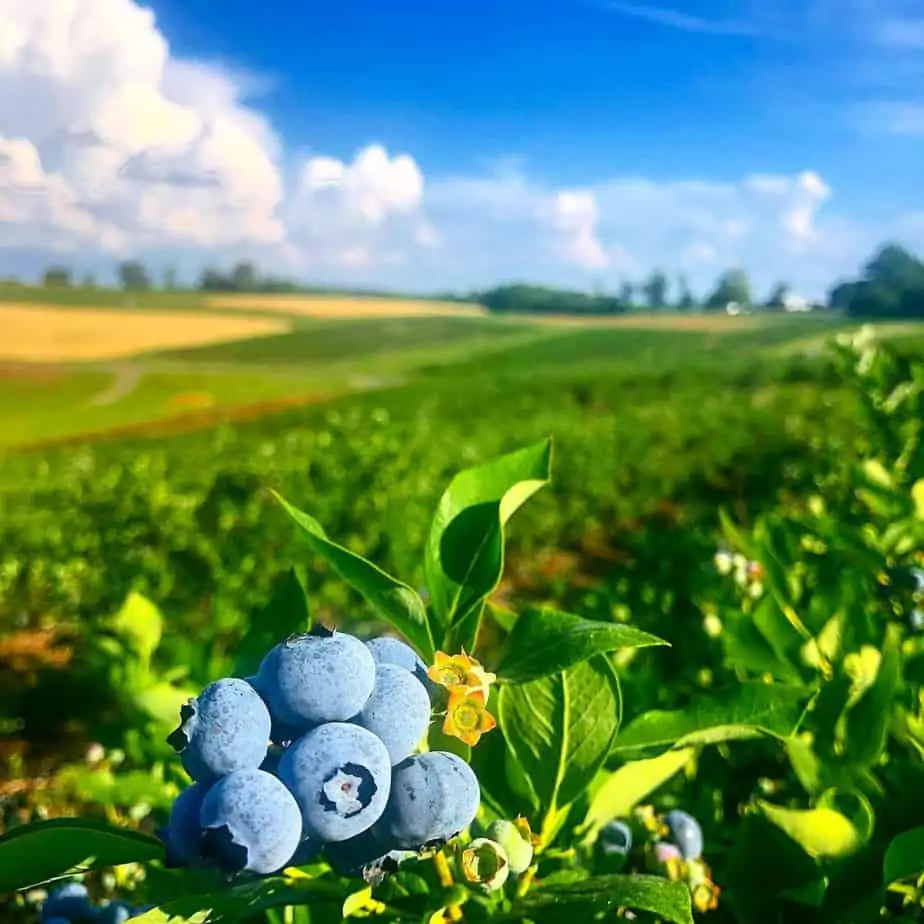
point(516, 845)
point(485, 864)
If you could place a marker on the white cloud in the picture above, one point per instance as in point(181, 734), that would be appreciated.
point(575, 218)
point(111, 145)
point(676, 19)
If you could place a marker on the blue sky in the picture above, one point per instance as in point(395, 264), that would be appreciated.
point(455, 144)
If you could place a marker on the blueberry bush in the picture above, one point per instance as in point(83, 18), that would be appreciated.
point(475, 760)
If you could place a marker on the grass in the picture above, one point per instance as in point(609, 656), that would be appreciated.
point(356, 339)
point(34, 412)
point(308, 358)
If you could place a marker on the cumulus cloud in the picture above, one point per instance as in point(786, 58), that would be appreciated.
point(111, 145)
point(575, 218)
point(121, 143)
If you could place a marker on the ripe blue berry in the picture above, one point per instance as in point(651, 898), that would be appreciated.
point(226, 728)
point(615, 839)
point(397, 712)
point(388, 650)
point(340, 775)
point(183, 834)
point(316, 678)
point(685, 834)
point(349, 858)
point(434, 796)
point(70, 901)
point(116, 913)
point(250, 822)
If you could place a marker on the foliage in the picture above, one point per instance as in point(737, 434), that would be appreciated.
point(785, 714)
point(531, 299)
point(732, 286)
point(892, 285)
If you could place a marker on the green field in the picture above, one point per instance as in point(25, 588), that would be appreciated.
point(159, 486)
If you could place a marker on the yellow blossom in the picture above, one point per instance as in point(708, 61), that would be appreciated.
point(467, 717)
point(460, 673)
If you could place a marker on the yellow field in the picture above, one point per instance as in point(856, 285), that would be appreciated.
point(336, 306)
point(40, 333)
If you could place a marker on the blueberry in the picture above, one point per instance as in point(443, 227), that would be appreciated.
point(250, 822)
point(226, 728)
point(389, 650)
point(434, 796)
point(115, 913)
point(271, 761)
point(397, 712)
point(615, 839)
point(348, 857)
point(183, 833)
point(485, 864)
point(517, 847)
point(340, 775)
point(685, 834)
point(312, 679)
point(364, 854)
point(306, 851)
point(70, 901)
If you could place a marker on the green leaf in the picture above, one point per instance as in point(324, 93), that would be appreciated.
point(626, 787)
point(750, 711)
point(139, 624)
point(561, 728)
point(285, 614)
point(580, 901)
point(904, 857)
point(546, 641)
point(36, 853)
point(784, 870)
point(464, 554)
point(393, 601)
point(822, 833)
point(868, 720)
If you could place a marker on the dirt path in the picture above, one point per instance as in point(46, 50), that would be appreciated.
point(125, 379)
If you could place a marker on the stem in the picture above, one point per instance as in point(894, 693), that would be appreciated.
point(443, 870)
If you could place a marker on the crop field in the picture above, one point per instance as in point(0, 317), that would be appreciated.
point(341, 307)
point(38, 333)
point(740, 489)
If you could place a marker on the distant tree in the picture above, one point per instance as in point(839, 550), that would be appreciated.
point(685, 299)
point(543, 300)
point(892, 286)
point(214, 281)
point(778, 296)
point(56, 277)
point(627, 294)
point(244, 277)
point(896, 269)
point(732, 286)
point(655, 290)
point(89, 281)
point(133, 276)
point(169, 281)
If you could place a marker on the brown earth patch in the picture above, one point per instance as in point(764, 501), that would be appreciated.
point(181, 423)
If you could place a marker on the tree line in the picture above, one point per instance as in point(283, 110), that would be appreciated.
point(891, 284)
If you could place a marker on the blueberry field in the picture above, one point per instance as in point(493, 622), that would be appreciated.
point(541, 623)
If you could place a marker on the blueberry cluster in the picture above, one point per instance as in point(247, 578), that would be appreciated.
point(70, 904)
point(316, 751)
